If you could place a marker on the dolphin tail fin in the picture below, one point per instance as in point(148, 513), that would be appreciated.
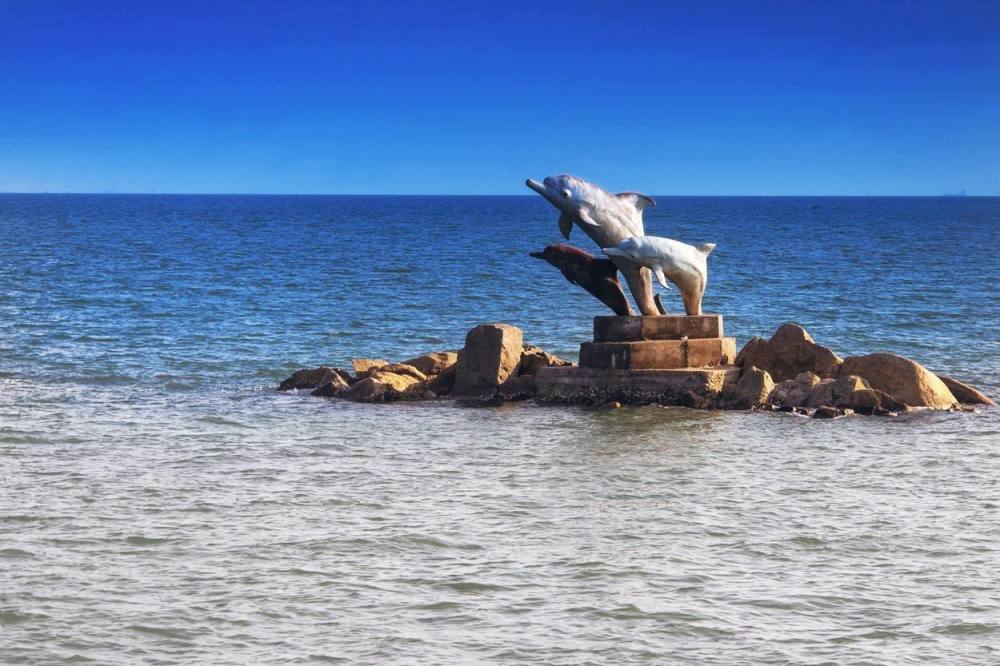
point(706, 248)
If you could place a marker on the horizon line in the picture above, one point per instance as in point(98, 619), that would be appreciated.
point(526, 195)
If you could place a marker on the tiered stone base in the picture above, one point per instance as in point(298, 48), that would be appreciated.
point(640, 360)
point(689, 387)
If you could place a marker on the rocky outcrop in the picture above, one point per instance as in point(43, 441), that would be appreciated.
point(790, 352)
point(753, 389)
point(491, 355)
point(333, 388)
point(433, 363)
point(964, 393)
point(311, 378)
point(906, 381)
point(794, 392)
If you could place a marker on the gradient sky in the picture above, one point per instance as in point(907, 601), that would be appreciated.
point(393, 97)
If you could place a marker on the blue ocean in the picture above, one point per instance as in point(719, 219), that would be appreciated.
point(161, 503)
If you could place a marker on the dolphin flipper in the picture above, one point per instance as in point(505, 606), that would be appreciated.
point(660, 277)
point(565, 225)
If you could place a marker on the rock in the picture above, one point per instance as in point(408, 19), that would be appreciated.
point(442, 383)
point(534, 358)
point(398, 369)
point(790, 352)
point(312, 378)
point(835, 392)
point(794, 392)
point(363, 365)
point(826, 413)
point(368, 389)
point(873, 402)
point(964, 393)
point(521, 387)
point(753, 388)
point(394, 380)
point(433, 363)
point(336, 386)
point(907, 381)
point(491, 354)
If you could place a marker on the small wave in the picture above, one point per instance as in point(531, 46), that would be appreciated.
point(164, 632)
point(16, 554)
point(139, 540)
point(14, 617)
point(967, 628)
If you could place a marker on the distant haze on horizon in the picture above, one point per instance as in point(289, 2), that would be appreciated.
point(454, 98)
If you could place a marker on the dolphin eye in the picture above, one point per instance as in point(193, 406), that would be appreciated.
point(566, 194)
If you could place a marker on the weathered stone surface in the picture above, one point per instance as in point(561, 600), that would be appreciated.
point(442, 383)
point(872, 402)
point(491, 354)
point(533, 358)
point(794, 392)
point(433, 363)
point(903, 379)
point(835, 392)
point(310, 378)
point(753, 388)
point(689, 387)
point(658, 354)
point(665, 327)
point(336, 386)
point(789, 352)
point(964, 393)
point(363, 365)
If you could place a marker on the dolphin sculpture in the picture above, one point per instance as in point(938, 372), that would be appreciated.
point(598, 276)
point(608, 219)
point(684, 265)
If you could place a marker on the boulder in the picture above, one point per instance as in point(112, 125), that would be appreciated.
point(794, 392)
point(753, 388)
point(790, 352)
point(873, 402)
point(442, 383)
point(333, 388)
point(363, 365)
point(491, 354)
point(835, 392)
point(907, 381)
point(964, 393)
point(534, 358)
point(827, 413)
point(433, 363)
point(312, 378)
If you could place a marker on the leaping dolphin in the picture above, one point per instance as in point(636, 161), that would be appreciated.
point(684, 265)
point(608, 219)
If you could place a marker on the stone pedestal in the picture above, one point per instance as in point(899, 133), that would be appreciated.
point(671, 360)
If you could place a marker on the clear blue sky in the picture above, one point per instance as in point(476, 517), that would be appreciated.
point(392, 97)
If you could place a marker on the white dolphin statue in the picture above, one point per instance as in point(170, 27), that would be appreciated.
point(608, 219)
point(684, 265)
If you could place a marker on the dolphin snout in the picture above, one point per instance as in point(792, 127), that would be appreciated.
point(537, 255)
point(535, 185)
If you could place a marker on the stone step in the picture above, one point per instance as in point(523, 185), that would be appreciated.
point(666, 327)
point(658, 354)
point(689, 387)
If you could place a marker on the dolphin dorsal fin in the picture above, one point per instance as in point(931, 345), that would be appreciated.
point(706, 248)
point(640, 201)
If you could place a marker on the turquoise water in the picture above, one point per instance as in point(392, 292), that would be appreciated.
point(160, 503)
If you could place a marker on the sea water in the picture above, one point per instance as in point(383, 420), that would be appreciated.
point(161, 503)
